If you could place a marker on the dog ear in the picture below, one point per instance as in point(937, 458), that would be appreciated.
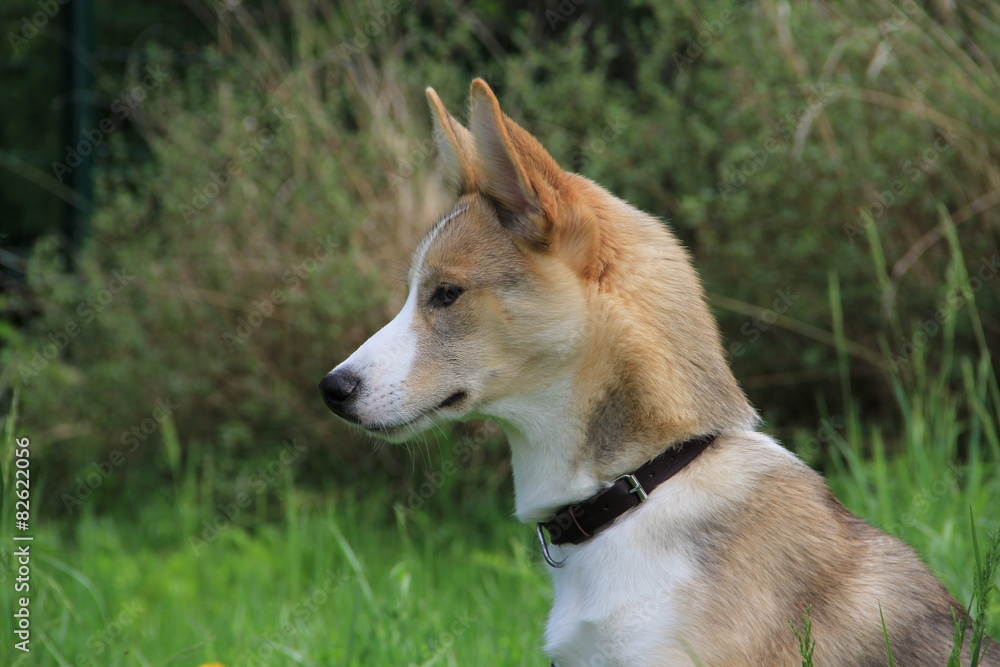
point(514, 169)
point(455, 145)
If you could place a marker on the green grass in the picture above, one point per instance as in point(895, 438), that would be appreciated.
point(345, 584)
point(807, 645)
point(353, 578)
point(983, 586)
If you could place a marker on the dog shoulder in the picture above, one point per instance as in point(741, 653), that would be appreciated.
point(780, 543)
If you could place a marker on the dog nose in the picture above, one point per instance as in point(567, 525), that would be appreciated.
point(336, 388)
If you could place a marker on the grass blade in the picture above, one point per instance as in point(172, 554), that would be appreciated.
point(885, 636)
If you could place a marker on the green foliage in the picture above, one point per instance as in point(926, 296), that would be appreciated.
point(807, 645)
point(885, 637)
point(338, 585)
point(984, 583)
point(767, 137)
point(983, 586)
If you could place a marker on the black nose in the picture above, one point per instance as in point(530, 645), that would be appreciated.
point(337, 387)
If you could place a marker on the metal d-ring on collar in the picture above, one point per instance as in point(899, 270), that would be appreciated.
point(540, 529)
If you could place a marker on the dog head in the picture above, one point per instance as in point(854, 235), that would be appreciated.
point(526, 283)
point(495, 304)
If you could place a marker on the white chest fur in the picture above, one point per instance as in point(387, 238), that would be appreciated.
point(615, 598)
point(622, 597)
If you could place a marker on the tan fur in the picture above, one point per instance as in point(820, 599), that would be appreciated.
point(583, 330)
point(779, 543)
point(664, 340)
point(455, 145)
point(653, 371)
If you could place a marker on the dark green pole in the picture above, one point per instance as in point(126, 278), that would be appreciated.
point(80, 116)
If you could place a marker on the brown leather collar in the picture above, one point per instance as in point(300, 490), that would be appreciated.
point(580, 521)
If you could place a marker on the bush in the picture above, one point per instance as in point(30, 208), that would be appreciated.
point(292, 172)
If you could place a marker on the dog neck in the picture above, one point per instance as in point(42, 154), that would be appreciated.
point(572, 436)
point(544, 441)
point(558, 456)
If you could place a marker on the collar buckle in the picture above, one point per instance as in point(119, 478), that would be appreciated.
point(635, 486)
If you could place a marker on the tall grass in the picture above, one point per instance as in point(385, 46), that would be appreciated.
point(984, 584)
point(807, 645)
point(920, 474)
point(345, 579)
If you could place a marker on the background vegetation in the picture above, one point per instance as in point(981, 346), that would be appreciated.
point(832, 166)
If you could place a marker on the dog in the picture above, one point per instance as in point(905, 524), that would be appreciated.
point(676, 532)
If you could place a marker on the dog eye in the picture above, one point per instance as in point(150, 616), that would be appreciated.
point(446, 294)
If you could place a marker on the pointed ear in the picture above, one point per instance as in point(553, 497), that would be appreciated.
point(455, 145)
point(514, 169)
